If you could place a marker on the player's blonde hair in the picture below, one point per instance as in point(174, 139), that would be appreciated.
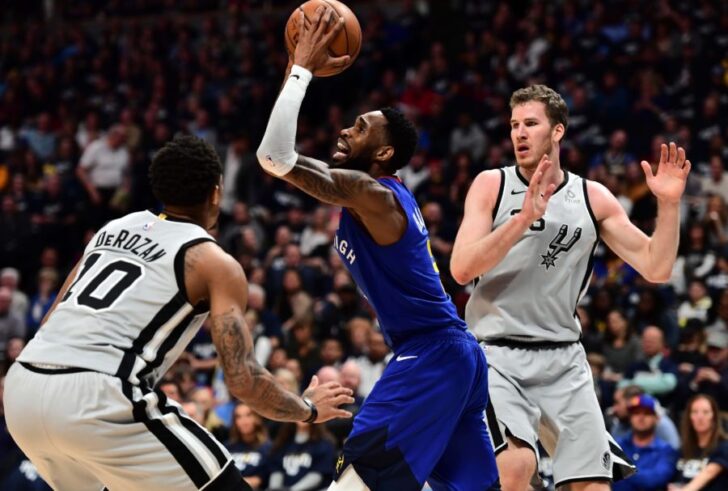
point(556, 109)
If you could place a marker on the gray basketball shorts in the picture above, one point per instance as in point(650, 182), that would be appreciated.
point(548, 395)
point(84, 430)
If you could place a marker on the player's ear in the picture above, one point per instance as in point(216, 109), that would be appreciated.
point(216, 195)
point(557, 133)
point(384, 154)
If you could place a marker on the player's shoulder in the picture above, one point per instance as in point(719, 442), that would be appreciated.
point(210, 260)
point(601, 200)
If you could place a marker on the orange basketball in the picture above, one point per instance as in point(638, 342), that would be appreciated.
point(347, 42)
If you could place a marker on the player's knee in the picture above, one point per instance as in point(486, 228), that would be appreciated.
point(516, 466)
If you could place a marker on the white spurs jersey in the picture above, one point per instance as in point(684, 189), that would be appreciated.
point(532, 294)
point(126, 312)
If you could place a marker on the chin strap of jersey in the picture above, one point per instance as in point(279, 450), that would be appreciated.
point(276, 153)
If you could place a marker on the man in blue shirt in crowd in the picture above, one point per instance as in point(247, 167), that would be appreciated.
point(655, 458)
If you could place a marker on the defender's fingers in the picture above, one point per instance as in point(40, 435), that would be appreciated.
point(647, 168)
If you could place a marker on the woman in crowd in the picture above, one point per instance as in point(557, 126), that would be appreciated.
point(302, 458)
point(704, 462)
point(250, 446)
point(621, 347)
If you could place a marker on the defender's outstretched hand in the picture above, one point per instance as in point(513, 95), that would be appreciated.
point(668, 183)
point(327, 398)
point(312, 50)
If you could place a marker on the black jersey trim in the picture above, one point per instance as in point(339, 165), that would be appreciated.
point(147, 334)
point(191, 426)
point(499, 440)
point(228, 480)
point(183, 455)
point(589, 208)
point(179, 269)
point(500, 193)
point(587, 274)
point(167, 345)
point(559, 188)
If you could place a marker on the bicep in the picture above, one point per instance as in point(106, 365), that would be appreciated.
point(623, 237)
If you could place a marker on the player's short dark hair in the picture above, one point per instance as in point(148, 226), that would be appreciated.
point(556, 109)
point(402, 135)
point(185, 171)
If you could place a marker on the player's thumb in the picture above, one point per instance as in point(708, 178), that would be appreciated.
point(314, 382)
point(339, 60)
point(647, 168)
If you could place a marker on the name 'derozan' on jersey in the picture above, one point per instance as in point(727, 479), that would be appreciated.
point(143, 247)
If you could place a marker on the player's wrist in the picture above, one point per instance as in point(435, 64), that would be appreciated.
point(313, 416)
point(301, 74)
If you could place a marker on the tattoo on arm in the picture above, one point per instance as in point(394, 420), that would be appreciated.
point(339, 187)
point(246, 378)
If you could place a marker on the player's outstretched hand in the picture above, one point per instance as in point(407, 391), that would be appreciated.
point(327, 398)
point(538, 194)
point(312, 50)
point(668, 183)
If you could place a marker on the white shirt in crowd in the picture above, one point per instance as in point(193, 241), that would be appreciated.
point(106, 166)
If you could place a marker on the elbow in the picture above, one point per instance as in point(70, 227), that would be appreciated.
point(657, 277)
point(459, 273)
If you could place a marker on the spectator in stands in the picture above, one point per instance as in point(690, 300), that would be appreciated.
point(10, 278)
point(655, 459)
point(11, 325)
point(618, 421)
point(41, 302)
point(102, 171)
point(621, 347)
point(703, 463)
point(716, 220)
point(250, 446)
point(696, 306)
point(171, 389)
point(41, 139)
point(704, 457)
point(372, 364)
point(655, 373)
point(302, 457)
point(716, 182)
point(712, 379)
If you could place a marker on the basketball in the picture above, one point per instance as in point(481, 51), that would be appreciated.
point(347, 42)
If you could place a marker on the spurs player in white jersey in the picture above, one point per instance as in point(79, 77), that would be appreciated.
point(81, 401)
point(528, 235)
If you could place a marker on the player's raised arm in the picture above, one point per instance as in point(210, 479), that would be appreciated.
point(276, 154)
point(653, 257)
point(477, 247)
point(208, 268)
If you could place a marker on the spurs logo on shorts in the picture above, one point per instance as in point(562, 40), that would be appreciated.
point(607, 460)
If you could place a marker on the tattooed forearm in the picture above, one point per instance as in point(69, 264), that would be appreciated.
point(339, 187)
point(246, 378)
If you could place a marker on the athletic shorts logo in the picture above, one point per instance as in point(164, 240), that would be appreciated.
point(606, 460)
point(558, 246)
point(403, 358)
point(339, 464)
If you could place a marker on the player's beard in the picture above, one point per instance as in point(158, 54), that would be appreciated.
point(362, 162)
point(534, 159)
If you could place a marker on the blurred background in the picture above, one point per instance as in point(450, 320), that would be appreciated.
point(89, 90)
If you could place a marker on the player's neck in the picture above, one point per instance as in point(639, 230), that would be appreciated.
point(554, 175)
point(180, 213)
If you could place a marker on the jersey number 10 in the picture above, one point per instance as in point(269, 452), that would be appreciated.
point(126, 274)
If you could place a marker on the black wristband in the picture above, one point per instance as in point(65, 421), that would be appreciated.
point(314, 411)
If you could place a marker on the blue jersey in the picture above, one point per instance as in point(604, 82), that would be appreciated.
point(401, 281)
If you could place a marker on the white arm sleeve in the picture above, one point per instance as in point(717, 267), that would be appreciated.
point(276, 152)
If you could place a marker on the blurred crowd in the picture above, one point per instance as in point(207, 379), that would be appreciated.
point(89, 93)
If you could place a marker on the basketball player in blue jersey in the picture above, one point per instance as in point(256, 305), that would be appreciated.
point(423, 419)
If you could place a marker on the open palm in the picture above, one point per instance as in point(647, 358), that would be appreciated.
point(668, 183)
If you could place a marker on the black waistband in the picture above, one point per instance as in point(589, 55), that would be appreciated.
point(536, 345)
point(53, 371)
